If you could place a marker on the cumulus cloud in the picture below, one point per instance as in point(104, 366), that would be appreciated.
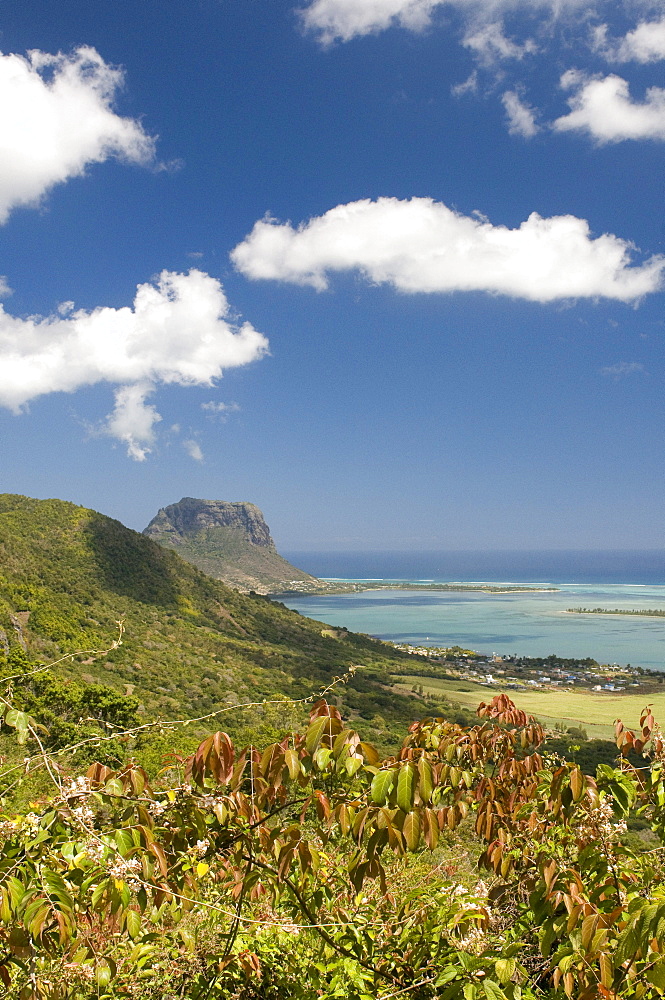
point(133, 420)
point(5, 290)
point(56, 117)
point(193, 449)
point(179, 331)
point(423, 246)
point(645, 44)
point(342, 20)
point(603, 108)
point(521, 117)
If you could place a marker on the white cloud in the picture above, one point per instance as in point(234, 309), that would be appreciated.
point(219, 411)
point(56, 117)
point(178, 331)
point(468, 86)
point(193, 449)
point(342, 20)
point(5, 290)
point(622, 369)
point(521, 117)
point(490, 44)
point(423, 246)
point(603, 108)
point(133, 420)
point(645, 44)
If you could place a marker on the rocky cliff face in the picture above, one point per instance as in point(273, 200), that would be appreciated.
point(188, 518)
point(230, 542)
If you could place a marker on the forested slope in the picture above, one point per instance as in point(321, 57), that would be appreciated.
point(192, 645)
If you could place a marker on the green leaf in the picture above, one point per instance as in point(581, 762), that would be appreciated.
point(315, 733)
point(406, 787)
point(124, 841)
point(292, 762)
point(382, 784)
point(606, 971)
point(411, 830)
point(114, 787)
point(425, 779)
point(103, 973)
point(133, 923)
point(492, 991)
point(352, 765)
point(322, 758)
point(656, 975)
point(505, 969)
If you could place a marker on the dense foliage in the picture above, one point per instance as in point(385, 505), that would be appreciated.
point(313, 867)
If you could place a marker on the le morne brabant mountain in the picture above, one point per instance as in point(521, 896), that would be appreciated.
point(192, 644)
point(230, 542)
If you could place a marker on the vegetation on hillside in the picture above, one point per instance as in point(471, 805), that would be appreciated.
point(192, 645)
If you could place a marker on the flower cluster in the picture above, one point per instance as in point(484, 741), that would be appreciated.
point(126, 870)
point(95, 850)
point(471, 929)
point(83, 814)
point(600, 822)
point(200, 848)
point(79, 786)
point(8, 828)
point(157, 808)
point(28, 825)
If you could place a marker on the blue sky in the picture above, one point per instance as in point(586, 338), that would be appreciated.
point(390, 269)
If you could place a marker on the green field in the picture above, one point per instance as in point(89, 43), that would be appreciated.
point(594, 710)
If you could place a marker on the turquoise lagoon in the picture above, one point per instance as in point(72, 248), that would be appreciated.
point(529, 624)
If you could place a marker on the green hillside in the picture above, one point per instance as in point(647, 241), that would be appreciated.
point(192, 645)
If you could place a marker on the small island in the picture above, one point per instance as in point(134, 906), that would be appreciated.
point(644, 613)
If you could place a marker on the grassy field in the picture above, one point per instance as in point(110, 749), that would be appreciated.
point(595, 711)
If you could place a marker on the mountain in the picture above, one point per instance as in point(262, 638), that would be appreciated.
point(230, 542)
point(192, 645)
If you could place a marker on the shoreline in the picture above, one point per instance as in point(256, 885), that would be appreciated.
point(361, 586)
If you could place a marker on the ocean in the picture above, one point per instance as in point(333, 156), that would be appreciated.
point(528, 624)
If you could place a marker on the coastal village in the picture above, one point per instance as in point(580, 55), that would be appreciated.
point(521, 673)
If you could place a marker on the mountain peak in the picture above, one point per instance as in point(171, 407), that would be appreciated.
point(189, 517)
point(229, 541)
